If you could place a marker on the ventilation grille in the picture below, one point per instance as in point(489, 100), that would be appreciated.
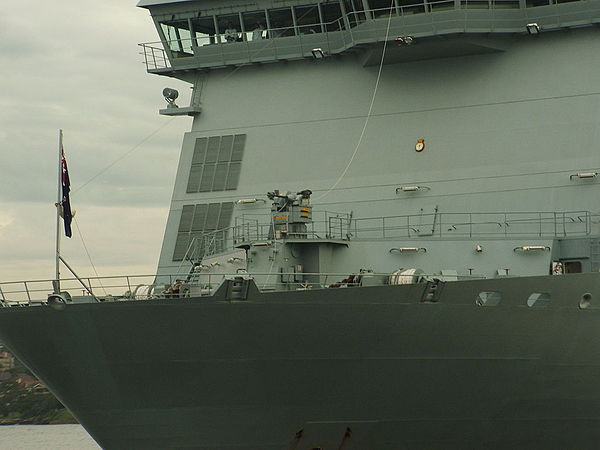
point(216, 163)
point(195, 221)
point(595, 255)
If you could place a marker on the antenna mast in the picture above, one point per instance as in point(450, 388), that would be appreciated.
point(58, 208)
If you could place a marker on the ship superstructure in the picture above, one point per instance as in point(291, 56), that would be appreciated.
point(384, 234)
point(470, 139)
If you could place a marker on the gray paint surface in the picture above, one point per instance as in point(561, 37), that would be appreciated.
point(214, 374)
point(377, 367)
point(503, 133)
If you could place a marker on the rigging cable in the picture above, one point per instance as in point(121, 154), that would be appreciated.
point(131, 150)
point(364, 128)
point(89, 257)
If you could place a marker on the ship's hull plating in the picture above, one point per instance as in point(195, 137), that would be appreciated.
point(356, 368)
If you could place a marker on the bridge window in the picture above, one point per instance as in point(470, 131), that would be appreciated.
point(230, 29)
point(282, 22)
point(354, 10)
point(414, 6)
point(505, 4)
point(332, 14)
point(382, 8)
point(533, 3)
point(307, 19)
point(178, 37)
point(204, 30)
point(253, 22)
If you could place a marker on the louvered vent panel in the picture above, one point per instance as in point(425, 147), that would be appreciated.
point(185, 223)
point(595, 255)
point(216, 163)
point(195, 222)
point(200, 218)
point(199, 151)
point(194, 179)
point(181, 246)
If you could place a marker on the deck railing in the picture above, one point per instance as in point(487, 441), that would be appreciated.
point(340, 226)
point(193, 284)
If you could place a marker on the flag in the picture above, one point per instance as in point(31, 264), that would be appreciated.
point(66, 188)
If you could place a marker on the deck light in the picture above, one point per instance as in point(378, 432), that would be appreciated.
point(584, 175)
point(318, 53)
point(533, 28)
point(532, 248)
point(246, 201)
point(170, 96)
point(405, 40)
point(412, 189)
point(408, 250)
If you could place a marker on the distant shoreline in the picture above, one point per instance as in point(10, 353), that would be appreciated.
point(31, 422)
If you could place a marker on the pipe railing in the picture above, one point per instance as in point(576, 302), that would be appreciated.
point(339, 226)
point(194, 284)
point(345, 32)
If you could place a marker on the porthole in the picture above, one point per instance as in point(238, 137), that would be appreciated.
point(585, 301)
point(538, 299)
point(488, 298)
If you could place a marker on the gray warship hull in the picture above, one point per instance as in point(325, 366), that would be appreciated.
point(354, 368)
point(451, 151)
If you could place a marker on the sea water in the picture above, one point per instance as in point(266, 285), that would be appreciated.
point(45, 437)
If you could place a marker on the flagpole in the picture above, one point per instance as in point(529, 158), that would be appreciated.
point(58, 207)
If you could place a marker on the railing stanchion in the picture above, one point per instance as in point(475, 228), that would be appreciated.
point(154, 57)
point(128, 285)
point(27, 291)
point(588, 223)
point(470, 225)
point(145, 56)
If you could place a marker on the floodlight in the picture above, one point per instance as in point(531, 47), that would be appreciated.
point(318, 53)
point(533, 28)
point(170, 96)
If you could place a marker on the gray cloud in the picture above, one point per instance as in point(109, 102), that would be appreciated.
point(77, 66)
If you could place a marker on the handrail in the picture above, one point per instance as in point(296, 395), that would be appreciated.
point(195, 284)
point(339, 226)
point(158, 54)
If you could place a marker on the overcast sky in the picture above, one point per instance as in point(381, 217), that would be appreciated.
point(75, 65)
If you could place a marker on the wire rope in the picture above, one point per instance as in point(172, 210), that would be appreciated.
point(366, 123)
point(89, 256)
point(123, 156)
